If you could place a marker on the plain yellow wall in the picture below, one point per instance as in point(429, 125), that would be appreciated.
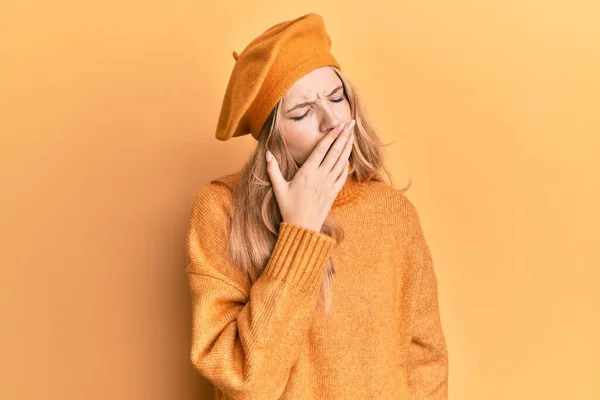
point(107, 118)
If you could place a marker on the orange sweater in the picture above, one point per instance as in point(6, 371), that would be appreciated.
point(269, 340)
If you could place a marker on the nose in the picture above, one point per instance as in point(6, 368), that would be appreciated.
point(328, 118)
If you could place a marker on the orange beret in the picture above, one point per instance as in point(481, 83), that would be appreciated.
point(267, 68)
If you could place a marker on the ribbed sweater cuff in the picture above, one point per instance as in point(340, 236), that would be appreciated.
point(299, 257)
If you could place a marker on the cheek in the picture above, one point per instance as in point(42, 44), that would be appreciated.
point(300, 138)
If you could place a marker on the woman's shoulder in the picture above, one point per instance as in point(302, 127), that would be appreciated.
point(387, 195)
point(227, 180)
point(392, 203)
point(215, 196)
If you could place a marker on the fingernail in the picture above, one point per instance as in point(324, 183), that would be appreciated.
point(341, 127)
point(269, 156)
point(352, 124)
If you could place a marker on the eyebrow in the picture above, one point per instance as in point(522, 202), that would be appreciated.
point(308, 103)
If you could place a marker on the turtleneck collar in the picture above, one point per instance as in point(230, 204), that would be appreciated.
point(349, 192)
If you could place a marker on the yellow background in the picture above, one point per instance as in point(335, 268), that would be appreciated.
point(107, 121)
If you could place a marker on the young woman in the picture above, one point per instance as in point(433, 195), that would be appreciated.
point(310, 276)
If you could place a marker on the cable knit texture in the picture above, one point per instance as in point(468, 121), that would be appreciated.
point(271, 339)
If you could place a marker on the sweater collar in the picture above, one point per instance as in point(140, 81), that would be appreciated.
point(350, 191)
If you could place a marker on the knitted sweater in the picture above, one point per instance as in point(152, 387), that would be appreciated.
point(271, 339)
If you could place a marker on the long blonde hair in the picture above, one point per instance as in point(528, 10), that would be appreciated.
point(255, 215)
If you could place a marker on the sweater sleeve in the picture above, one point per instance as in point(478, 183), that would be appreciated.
point(245, 340)
point(428, 356)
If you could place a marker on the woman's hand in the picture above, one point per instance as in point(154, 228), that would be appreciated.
point(307, 199)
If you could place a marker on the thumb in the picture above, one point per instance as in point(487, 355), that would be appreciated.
point(277, 180)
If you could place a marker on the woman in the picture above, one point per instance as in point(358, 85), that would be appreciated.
point(310, 277)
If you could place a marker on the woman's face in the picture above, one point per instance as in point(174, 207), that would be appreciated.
point(325, 107)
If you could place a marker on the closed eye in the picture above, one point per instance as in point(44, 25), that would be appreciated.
point(338, 100)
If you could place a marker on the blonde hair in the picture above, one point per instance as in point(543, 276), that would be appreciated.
point(255, 214)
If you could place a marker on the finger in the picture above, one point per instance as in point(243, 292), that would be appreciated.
point(339, 182)
point(336, 150)
point(277, 180)
point(338, 168)
point(320, 151)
